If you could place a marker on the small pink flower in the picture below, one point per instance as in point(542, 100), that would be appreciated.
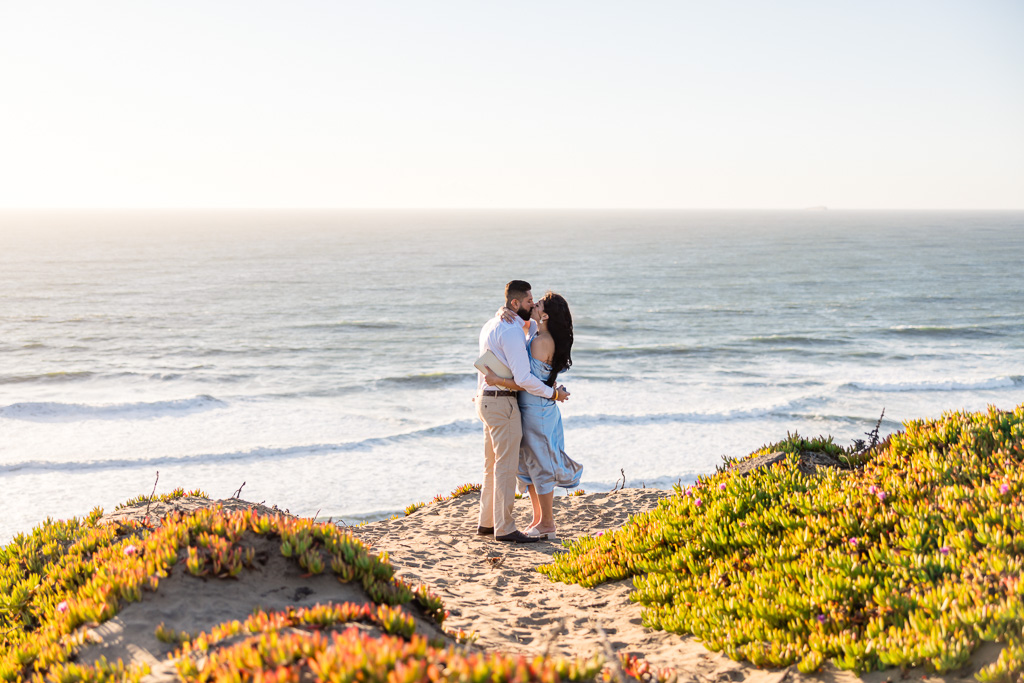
point(130, 550)
point(721, 487)
point(882, 495)
point(821, 619)
point(698, 502)
point(944, 550)
point(743, 523)
point(1004, 489)
point(853, 541)
point(872, 489)
point(62, 606)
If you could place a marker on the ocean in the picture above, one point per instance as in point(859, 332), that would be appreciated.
point(322, 361)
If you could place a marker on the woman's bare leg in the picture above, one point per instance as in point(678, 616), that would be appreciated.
point(538, 515)
point(546, 523)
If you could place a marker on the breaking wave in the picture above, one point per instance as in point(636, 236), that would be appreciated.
point(74, 412)
point(939, 385)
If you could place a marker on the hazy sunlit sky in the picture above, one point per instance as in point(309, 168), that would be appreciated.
point(564, 103)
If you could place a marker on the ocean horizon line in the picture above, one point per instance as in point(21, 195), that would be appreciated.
point(504, 209)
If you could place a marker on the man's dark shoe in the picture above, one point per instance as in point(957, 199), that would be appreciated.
point(485, 531)
point(516, 536)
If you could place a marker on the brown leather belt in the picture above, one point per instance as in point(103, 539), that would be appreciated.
point(498, 392)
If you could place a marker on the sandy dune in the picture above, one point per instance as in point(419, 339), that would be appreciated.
point(490, 588)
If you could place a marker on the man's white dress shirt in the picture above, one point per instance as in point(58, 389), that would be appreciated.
point(507, 342)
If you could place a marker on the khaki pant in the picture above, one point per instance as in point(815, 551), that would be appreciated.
point(503, 430)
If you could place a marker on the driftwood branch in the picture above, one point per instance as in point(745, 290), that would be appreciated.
point(239, 491)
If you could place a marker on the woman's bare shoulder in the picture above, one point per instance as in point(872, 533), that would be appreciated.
point(543, 347)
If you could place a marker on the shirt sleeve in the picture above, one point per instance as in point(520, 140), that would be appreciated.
point(513, 345)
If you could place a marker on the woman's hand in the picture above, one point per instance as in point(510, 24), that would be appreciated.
point(507, 314)
point(563, 393)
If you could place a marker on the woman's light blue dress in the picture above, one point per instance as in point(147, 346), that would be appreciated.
point(542, 458)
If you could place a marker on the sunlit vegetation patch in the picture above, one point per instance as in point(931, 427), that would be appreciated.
point(458, 491)
point(909, 554)
point(303, 644)
point(163, 497)
point(440, 498)
point(390, 620)
point(65, 576)
point(40, 574)
point(641, 670)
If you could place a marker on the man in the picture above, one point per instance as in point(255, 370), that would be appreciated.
point(498, 409)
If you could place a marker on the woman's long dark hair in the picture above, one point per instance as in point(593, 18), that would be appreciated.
point(560, 329)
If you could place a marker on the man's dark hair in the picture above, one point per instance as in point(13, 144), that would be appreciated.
point(516, 289)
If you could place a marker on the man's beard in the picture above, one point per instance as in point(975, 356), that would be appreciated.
point(523, 313)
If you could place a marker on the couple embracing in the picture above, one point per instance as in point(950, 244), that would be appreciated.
point(518, 404)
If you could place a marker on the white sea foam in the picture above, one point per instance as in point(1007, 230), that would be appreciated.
point(73, 412)
point(941, 385)
point(697, 417)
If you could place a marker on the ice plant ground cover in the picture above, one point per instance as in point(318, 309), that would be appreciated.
point(912, 555)
point(66, 577)
point(462, 490)
point(164, 497)
point(295, 645)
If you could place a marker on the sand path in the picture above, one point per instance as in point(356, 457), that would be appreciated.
point(492, 588)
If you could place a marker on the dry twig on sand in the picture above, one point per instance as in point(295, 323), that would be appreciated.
point(618, 674)
point(561, 626)
point(149, 502)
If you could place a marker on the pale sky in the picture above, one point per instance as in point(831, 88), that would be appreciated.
point(482, 104)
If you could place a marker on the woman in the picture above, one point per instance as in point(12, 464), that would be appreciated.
point(543, 463)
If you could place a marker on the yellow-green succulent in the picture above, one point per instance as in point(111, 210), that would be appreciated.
point(907, 554)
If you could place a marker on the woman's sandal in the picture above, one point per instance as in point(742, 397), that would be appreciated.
point(549, 536)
